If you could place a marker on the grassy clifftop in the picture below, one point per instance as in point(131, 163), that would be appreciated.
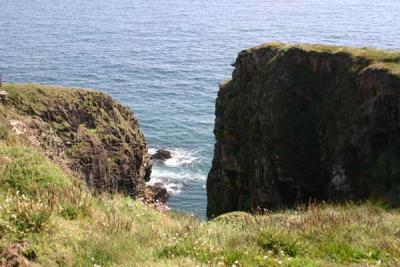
point(49, 217)
point(85, 130)
point(383, 59)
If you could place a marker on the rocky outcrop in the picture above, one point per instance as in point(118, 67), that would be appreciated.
point(85, 130)
point(162, 154)
point(156, 193)
point(306, 122)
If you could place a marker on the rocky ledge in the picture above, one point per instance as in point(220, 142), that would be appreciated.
point(306, 122)
point(85, 131)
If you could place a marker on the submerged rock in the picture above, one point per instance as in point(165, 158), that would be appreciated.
point(301, 122)
point(162, 154)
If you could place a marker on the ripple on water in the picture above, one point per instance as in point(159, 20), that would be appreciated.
point(165, 61)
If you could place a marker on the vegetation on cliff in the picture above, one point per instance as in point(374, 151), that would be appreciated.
point(301, 122)
point(50, 217)
point(84, 130)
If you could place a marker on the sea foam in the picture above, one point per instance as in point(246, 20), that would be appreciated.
point(176, 172)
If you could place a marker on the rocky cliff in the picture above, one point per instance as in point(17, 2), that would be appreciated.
point(83, 130)
point(306, 122)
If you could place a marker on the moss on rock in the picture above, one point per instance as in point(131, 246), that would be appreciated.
point(301, 122)
point(86, 130)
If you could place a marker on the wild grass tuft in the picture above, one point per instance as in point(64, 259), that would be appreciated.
point(60, 223)
point(4, 132)
point(28, 170)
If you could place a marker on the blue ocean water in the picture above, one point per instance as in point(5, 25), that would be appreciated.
point(165, 58)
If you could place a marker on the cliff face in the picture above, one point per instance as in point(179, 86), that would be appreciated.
point(86, 131)
point(301, 122)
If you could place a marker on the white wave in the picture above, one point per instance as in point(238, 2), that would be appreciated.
point(176, 175)
point(175, 172)
point(172, 188)
point(181, 157)
point(152, 151)
point(174, 181)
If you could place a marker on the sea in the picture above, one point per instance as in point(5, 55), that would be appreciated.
point(165, 58)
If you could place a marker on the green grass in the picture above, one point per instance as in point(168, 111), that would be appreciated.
point(62, 224)
point(28, 170)
point(380, 59)
point(4, 132)
point(47, 217)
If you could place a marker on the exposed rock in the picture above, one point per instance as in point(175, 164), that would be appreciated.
point(162, 154)
point(156, 193)
point(301, 122)
point(87, 130)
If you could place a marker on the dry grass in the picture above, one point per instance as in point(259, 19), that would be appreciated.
point(47, 219)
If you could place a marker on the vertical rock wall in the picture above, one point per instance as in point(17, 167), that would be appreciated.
point(301, 122)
